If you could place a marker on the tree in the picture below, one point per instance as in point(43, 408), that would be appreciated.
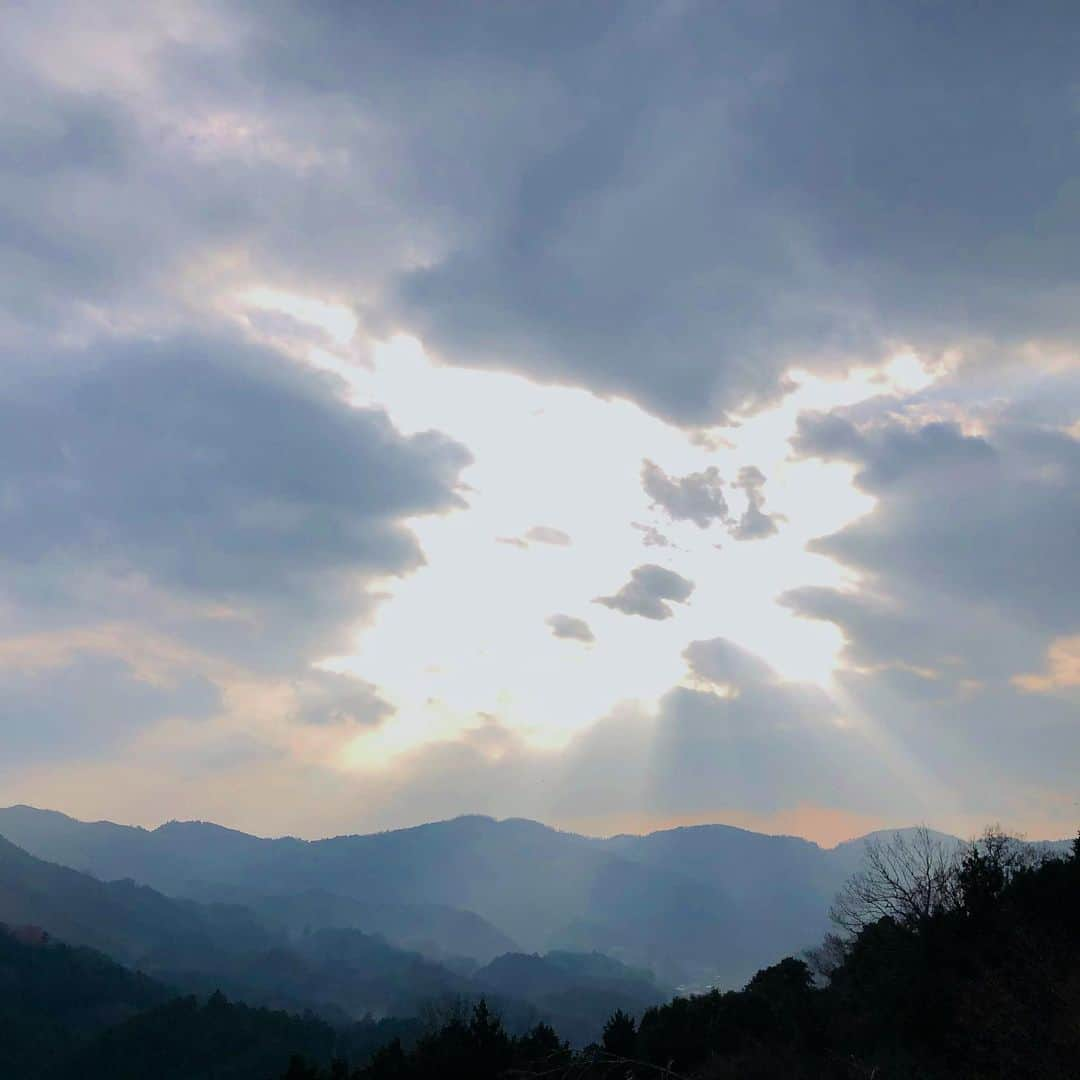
point(620, 1034)
point(986, 868)
point(909, 879)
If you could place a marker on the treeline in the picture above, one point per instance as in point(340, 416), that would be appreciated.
point(962, 966)
point(69, 1013)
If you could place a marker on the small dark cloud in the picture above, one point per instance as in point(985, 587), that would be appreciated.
point(722, 662)
point(754, 524)
point(646, 592)
point(327, 697)
point(651, 536)
point(569, 627)
point(696, 497)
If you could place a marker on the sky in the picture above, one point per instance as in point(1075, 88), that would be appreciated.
point(620, 415)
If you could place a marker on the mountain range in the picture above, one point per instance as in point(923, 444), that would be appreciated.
point(699, 905)
point(342, 974)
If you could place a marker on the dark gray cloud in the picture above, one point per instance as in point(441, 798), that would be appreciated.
point(867, 178)
point(988, 520)
point(570, 627)
point(892, 453)
point(672, 205)
point(211, 467)
point(696, 497)
point(646, 592)
point(699, 497)
point(210, 495)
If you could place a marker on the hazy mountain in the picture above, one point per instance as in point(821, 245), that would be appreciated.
point(696, 905)
point(540, 887)
point(460, 939)
point(132, 923)
point(781, 885)
point(342, 974)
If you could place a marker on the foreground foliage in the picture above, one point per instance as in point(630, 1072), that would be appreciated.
point(976, 975)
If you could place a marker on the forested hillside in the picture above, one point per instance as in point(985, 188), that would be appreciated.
point(974, 973)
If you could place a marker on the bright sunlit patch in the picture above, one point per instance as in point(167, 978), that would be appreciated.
point(466, 636)
point(337, 321)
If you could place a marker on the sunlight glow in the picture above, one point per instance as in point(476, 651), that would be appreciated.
point(464, 641)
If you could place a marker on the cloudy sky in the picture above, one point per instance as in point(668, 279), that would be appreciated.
point(615, 414)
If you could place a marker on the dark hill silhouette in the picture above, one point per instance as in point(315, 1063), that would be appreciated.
point(575, 992)
point(53, 996)
point(69, 1013)
point(133, 923)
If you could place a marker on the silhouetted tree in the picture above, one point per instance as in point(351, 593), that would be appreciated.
point(620, 1035)
point(907, 879)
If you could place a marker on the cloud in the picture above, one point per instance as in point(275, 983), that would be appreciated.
point(212, 467)
point(810, 189)
point(1062, 669)
point(569, 627)
point(697, 757)
point(722, 663)
point(697, 497)
point(538, 534)
point(326, 697)
point(833, 211)
point(891, 453)
point(958, 625)
point(644, 594)
point(650, 535)
point(984, 519)
point(676, 208)
point(208, 512)
point(754, 524)
point(87, 707)
point(545, 534)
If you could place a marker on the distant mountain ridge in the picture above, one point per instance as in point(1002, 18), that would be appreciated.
point(342, 974)
point(698, 904)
